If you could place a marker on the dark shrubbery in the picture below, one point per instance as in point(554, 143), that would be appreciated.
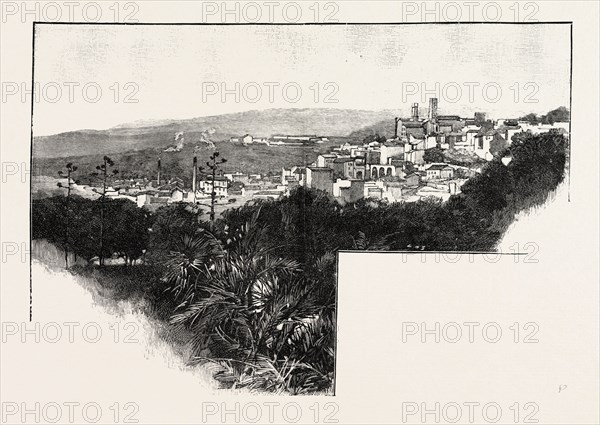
point(74, 224)
point(257, 287)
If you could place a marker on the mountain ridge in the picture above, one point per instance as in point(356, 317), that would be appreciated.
point(143, 134)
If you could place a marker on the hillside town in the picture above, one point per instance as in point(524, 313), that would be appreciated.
point(429, 156)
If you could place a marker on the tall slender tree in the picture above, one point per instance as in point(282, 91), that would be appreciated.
point(214, 166)
point(104, 175)
point(70, 170)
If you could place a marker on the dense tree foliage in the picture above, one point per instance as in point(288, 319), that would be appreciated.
point(370, 138)
point(560, 114)
point(434, 155)
point(257, 287)
point(126, 234)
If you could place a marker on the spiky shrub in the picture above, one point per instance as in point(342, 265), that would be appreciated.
point(266, 326)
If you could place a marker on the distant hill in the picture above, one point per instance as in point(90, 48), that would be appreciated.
point(158, 134)
point(256, 158)
point(384, 128)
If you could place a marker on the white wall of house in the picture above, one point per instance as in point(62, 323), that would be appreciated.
point(469, 141)
point(206, 187)
point(482, 146)
point(176, 196)
point(389, 152)
point(142, 199)
point(415, 156)
point(337, 185)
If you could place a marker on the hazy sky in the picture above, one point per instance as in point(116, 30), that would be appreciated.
point(181, 71)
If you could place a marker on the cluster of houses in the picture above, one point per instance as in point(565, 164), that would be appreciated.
point(393, 169)
point(154, 193)
point(398, 169)
point(279, 140)
point(350, 177)
point(230, 189)
point(475, 135)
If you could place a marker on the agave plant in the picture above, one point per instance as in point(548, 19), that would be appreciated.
point(234, 290)
point(259, 321)
point(362, 243)
point(195, 255)
point(291, 348)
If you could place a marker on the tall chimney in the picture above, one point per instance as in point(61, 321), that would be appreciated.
point(158, 177)
point(415, 112)
point(433, 103)
point(194, 176)
point(396, 121)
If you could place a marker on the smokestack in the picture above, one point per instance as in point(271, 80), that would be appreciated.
point(396, 121)
point(194, 176)
point(433, 103)
point(158, 177)
point(415, 112)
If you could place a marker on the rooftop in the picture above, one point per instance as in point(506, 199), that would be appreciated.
point(343, 159)
point(448, 118)
point(321, 169)
point(413, 124)
point(439, 167)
